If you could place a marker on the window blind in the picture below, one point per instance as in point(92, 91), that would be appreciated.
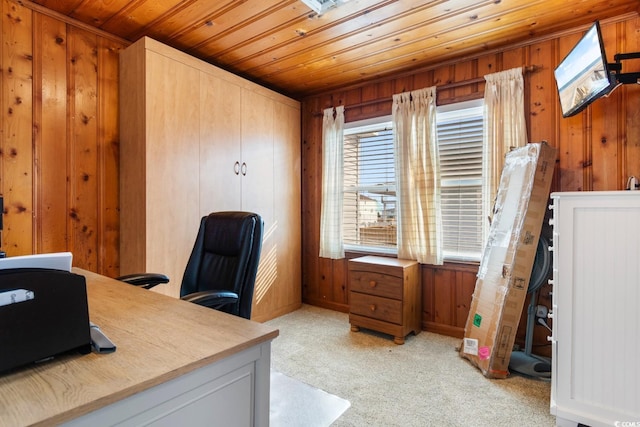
point(369, 187)
point(460, 139)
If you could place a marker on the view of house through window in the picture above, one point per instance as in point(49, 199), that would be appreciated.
point(370, 191)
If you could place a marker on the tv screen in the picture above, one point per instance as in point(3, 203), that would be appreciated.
point(583, 75)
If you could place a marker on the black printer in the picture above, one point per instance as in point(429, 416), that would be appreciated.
point(43, 313)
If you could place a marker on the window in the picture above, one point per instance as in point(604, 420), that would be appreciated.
point(460, 137)
point(369, 182)
point(369, 187)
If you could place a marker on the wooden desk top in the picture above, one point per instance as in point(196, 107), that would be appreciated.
point(158, 338)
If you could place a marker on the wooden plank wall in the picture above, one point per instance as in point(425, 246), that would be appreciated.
point(59, 146)
point(598, 150)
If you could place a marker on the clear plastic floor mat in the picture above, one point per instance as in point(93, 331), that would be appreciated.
point(294, 403)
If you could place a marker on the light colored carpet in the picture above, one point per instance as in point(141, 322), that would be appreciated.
point(296, 404)
point(421, 383)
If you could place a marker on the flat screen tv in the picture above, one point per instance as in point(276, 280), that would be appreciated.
point(583, 75)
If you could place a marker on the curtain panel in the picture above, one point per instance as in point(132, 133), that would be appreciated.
point(505, 129)
point(331, 230)
point(417, 167)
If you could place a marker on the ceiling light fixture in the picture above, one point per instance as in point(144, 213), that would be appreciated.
point(321, 6)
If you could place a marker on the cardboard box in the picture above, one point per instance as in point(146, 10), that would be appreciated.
point(505, 267)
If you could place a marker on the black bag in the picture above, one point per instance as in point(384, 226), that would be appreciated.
point(43, 313)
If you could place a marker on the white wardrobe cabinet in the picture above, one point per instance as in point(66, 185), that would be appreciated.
point(196, 139)
point(596, 316)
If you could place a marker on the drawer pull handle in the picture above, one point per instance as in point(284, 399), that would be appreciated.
point(372, 283)
point(373, 307)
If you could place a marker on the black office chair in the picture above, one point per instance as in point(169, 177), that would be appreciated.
point(221, 270)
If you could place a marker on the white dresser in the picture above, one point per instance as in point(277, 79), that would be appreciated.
point(596, 308)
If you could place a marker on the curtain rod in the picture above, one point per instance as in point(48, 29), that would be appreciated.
point(527, 69)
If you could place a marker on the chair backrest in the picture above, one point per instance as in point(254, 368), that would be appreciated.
point(225, 256)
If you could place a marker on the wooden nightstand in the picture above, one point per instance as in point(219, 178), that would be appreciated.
point(385, 295)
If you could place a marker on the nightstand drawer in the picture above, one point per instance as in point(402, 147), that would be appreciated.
point(376, 284)
point(385, 309)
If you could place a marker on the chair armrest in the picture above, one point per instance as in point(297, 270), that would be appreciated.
point(212, 299)
point(145, 280)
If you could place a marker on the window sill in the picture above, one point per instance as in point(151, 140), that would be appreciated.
point(450, 263)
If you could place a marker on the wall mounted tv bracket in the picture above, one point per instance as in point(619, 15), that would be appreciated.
point(616, 67)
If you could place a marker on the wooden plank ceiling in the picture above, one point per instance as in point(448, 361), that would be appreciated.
point(284, 45)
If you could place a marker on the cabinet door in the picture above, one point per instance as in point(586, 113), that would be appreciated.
point(172, 210)
point(596, 295)
point(287, 203)
point(257, 155)
point(258, 191)
point(220, 145)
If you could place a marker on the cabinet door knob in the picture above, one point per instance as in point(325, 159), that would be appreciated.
point(372, 283)
point(236, 168)
point(373, 307)
point(243, 169)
